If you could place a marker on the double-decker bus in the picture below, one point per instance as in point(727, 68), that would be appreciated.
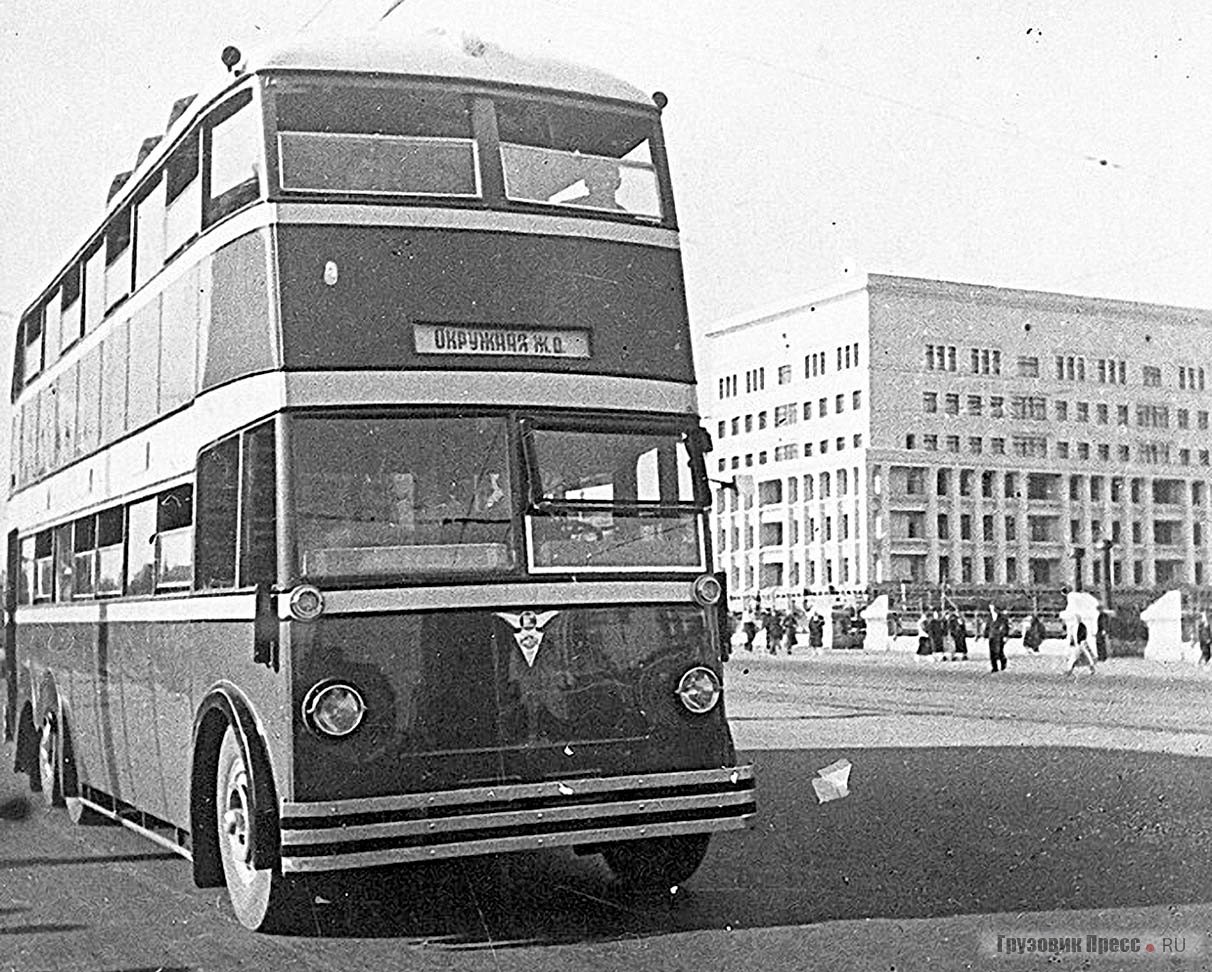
point(359, 498)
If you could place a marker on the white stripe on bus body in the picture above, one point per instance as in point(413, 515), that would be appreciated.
point(236, 606)
point(513, 389)
point(487, 220)
point(340, 833)
point(501, 845)
point(241, 605)
point(497, 596)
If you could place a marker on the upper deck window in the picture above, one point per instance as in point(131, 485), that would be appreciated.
point(580, 156)
point(354, 138)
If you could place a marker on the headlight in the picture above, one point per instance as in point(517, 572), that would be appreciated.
point(306, 603)
point(699, 690)
point(707, 590)
point(334, 708)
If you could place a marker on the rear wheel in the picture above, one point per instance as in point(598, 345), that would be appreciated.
point(262, 898)
point(660, 862)
point(50, 777)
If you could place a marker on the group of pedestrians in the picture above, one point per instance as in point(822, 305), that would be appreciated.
point(781, 629)
point(945, 635)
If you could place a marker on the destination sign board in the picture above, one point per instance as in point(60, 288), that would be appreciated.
point(491, 340)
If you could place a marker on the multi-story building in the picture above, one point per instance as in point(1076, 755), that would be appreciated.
point(899, 430)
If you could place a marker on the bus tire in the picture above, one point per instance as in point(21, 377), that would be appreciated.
point(50, 769)
point(658, 862)
point(263, 899)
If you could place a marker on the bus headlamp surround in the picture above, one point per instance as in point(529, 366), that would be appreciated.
point(333, 709)
point(707, 590)
point(306, 603)
point(699, 690)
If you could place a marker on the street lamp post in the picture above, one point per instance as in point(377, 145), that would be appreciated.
point(1079, 554)
point(1106, 550)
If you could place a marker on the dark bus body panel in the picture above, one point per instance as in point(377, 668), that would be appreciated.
point(452, 702)
point(629, 297)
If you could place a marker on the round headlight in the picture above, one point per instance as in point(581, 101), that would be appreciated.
point(334, 708)
point(699, 690)
point(306, 603)
point(707, 590)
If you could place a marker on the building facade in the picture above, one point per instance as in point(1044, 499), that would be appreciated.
point(902, 431)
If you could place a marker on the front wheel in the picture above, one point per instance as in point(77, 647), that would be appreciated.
point(659, 862)
point(262, 898)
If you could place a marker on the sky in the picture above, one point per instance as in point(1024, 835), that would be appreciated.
point(1056, 146)
point(1053, 146)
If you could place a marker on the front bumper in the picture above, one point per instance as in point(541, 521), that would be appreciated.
point(345, 834)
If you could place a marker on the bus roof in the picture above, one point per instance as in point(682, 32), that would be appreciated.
point(439, 54)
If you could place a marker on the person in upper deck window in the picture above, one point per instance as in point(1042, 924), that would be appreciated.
point(602, 181)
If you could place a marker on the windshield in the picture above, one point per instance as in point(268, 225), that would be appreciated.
point(389, 497)
point(612, 500)
point(577, 155)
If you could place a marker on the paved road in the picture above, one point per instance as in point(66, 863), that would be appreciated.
point(980, 805)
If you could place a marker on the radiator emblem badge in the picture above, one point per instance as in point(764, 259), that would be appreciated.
point(528, 631)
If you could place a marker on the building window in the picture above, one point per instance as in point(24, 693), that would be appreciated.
point(930, 402)
point(930, 443)
point(1062, 450)
point(997, 446)
point(1151, 376)
point(1028, 367)
point(974, 404)
point(1121, 414)
point(953, 443)
point(785, 374)
point(996, 406)
point(1083, 412)
point(1101, 412)
point(858, 440)
point(839, 404)
point(856, 400)
point(951, 404)
point(974, 445)
point(807, 411)
point(1061, 410)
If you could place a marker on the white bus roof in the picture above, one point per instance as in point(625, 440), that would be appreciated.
point(438, 54)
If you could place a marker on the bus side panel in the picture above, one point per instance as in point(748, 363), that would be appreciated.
point(131, 690)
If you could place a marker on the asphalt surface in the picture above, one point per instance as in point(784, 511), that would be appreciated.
point(1021, 804)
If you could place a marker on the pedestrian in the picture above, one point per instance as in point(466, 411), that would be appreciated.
point(790, 624)
point(1203, 634)
point(1033, 633)
point(816, 631)
point(997, 630)
point(1079, 648)
point(958, 631)
point(749, 627)
point(924, 643)
point(774, 631)
point(1102, 634)
point(938, 633)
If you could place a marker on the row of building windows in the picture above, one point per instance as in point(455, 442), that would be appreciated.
point(1036, 446)
point(814, 366)
point(914, 481)
point(1066, 367)
point(767, 576)
point(1035, 408)
point(788, 414)
point(982, 361)
point(816, 530)
point(1046, 571)
point(791, 451)
point(771, 492)
point(1038, 529)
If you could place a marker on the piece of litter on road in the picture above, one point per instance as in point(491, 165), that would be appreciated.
point(565, 789)
point(833, 781)
point(567, 750)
